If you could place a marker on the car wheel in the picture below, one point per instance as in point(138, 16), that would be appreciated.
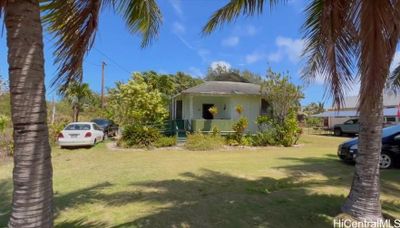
point(337, 132)
point(94, 142)
point(62, 147)
point(385, 161)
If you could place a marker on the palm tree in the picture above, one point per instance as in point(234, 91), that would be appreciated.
point(341, 35)
point(77, 93)
point(74, 24)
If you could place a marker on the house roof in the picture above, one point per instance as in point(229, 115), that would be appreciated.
point(389, 99)
point(225, 88)
point(353, 113)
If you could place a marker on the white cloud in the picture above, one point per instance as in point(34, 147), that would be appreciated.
point(254, 57)
point(178, 28)
point(287, 48)
point(177, 6)
point(396, 61)
point(231, 41)
point(223, 64)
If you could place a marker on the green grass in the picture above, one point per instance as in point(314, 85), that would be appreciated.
point(302, 186)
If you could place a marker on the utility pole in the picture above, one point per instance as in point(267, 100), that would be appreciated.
point(53, 114)
point(103, 64)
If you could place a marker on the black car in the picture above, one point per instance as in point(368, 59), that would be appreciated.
point(109, 127)
point(390, 154)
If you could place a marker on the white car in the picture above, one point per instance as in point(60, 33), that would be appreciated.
point(80, 134)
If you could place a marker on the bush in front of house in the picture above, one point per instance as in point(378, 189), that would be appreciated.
point(136, 135)
point(273, 132)
point(166, 141)
point(202, 142)
point(239, 128)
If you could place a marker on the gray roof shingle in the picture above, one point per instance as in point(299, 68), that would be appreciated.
point(225, 88)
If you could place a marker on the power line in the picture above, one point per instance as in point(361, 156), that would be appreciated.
point(116, 63)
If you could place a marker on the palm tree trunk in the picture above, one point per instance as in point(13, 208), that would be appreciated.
point(75, 114)
point(32, 174)
point(363, 201)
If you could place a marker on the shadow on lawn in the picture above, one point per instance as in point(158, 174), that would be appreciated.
point(214, 199)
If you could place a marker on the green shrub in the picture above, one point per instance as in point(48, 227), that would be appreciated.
point(139, 136)
point(165, 141)
point(55, 129)
point(6, 139)
point(198, 141)
point(273, 132)
point(265, 138)
point(215, 131)
point(289, 132)
point(239, 127)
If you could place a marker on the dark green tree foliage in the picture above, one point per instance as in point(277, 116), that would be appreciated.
point(222, 73)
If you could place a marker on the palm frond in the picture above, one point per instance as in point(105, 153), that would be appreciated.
point(234, 9)
point(393, 83)
point(379, 35)
point(73, 24)
point(394, 79)
point(330, 36)
point(2, 5)
point(141, 16)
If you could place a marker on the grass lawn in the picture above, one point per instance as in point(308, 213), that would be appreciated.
point(302, 186)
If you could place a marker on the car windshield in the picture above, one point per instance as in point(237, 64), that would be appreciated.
point(101, 122)
point(79, 127)
point(390, 130)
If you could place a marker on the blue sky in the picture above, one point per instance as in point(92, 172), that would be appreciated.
point(254, 43)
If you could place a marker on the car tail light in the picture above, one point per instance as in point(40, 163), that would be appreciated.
point(88, 134)
point(60, 135)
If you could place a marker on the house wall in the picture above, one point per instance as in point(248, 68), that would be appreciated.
point(251, 109)
point(198, 101)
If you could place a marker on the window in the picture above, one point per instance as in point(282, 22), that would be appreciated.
point(354, 121)
point(206, 112)
point(391, 119)
point(266, 108)
point(79, 127)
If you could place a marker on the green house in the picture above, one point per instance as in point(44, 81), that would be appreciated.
point(191, 108)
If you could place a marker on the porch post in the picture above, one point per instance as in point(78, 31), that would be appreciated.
point(190, 107)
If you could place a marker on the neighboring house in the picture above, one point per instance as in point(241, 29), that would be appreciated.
point(191, 107)
point(349, 111)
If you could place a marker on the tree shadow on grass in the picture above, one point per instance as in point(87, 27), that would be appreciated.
point(339, 173)
point(214, 199)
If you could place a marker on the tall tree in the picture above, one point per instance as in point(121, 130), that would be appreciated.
point(73, 24)
point(77, 94)
point(32, 175)
point(340, 36)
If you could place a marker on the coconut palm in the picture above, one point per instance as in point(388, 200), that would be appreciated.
point(73, 22)
point(340, 36)
point(77, 94)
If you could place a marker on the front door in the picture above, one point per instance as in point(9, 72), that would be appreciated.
point(178, 110)
point(206, 113)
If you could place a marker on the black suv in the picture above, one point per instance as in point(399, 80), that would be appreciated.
point(109, 127)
